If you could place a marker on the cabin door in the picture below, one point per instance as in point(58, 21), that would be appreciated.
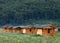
point(50, 31)
point(31, 30)
point(47, 32)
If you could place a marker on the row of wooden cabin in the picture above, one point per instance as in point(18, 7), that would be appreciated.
point(48, 30)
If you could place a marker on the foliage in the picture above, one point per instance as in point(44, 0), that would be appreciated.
point(18, 11)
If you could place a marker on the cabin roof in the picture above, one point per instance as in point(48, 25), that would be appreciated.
point(19, 26)
point(42, 26)
point(29, 26)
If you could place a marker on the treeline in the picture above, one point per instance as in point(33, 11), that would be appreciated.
point(18, 11)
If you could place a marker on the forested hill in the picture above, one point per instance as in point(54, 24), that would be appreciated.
point(19, 11)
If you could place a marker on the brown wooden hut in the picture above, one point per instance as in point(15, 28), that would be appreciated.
point(10, 29)
point(14, 29)
point(5, 28)
point(29, 30)
point(19, 29)
point(46, 30)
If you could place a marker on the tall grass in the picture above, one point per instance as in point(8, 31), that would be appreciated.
point(9, 37)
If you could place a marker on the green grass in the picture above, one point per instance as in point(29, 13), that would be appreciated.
point(8, 37)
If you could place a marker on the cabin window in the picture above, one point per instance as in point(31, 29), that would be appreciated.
point(30, 30)
point(48, 30)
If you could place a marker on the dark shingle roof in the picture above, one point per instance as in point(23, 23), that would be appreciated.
point(41, 26)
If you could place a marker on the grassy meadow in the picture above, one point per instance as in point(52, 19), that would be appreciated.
point(9, 37)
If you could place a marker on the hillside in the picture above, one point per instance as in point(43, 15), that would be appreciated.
point(18, 12)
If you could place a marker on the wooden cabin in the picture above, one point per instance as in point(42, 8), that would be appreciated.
point(10, 29)
point(19, 29)
point(47, 30)
point(44, 30)
point(5, 28)
point(14, 29)
point(29, 30)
